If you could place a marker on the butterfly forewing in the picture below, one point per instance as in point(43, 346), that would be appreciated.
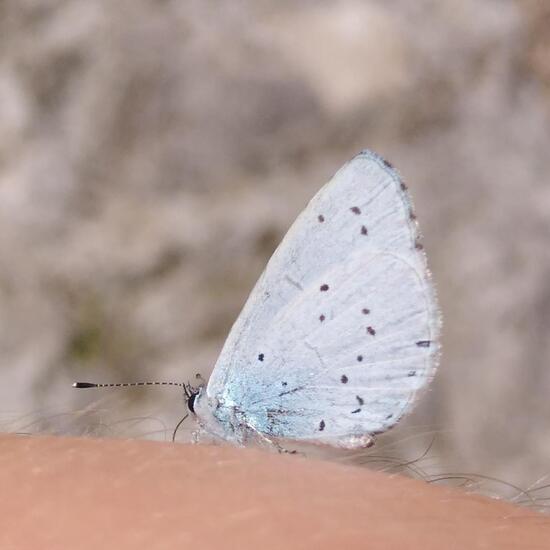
point(341, 330)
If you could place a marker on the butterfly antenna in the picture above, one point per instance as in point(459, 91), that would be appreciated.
point(82, 385)
point(188, 390)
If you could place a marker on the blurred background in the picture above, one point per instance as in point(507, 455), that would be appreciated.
point(153, 154)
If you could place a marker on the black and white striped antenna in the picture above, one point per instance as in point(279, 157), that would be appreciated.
point(83, 385)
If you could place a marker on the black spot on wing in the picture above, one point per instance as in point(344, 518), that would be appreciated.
point(371, 331)
point(364, 230)
point(322, 425)
point(344, 379)
point(355, 210)
point(321, 218)
point(261, 357)
point(324, 287)
point(423, 343)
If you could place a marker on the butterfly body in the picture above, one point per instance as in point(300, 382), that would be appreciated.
point(342, 328)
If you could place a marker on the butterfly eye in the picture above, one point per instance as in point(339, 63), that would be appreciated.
point(191, 402)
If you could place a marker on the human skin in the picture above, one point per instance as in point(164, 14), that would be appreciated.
point(65, 493)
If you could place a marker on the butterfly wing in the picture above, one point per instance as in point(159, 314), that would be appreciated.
point(341, 330)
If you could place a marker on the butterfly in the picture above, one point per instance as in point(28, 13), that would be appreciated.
point(340, 332)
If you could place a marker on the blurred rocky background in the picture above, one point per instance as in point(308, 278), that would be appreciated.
point(153, 153)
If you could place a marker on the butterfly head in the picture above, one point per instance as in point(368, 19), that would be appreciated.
point(191, 395)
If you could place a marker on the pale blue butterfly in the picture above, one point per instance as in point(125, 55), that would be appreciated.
point(340, 332)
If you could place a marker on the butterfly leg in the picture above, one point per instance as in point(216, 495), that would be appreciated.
point(271, 443)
